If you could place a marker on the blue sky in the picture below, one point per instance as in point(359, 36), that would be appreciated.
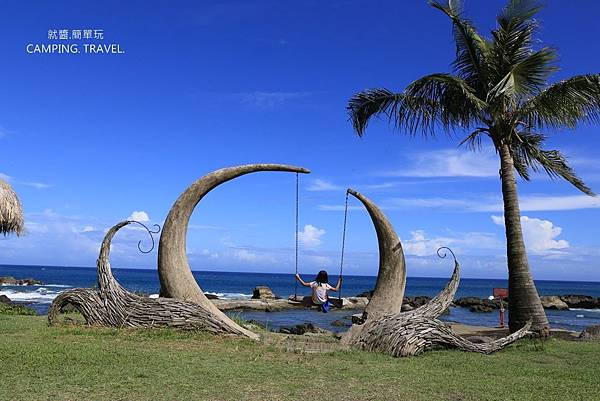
point(89, 139)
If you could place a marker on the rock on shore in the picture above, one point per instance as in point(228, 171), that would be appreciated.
point(591, 333)
point(304, 328)
point(9, 280)
point(556, 302)
point(263, 292)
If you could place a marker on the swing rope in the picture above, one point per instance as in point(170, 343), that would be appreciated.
point(295, 280)
point(343, 244)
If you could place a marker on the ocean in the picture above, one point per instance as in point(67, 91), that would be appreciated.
point(240, 285)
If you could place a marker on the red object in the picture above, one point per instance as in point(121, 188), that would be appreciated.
point(501, 293)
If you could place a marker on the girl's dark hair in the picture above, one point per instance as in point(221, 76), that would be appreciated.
point(322, 277)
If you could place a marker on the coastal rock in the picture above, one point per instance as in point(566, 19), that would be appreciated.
point(304, 328)
point(29, 281)
point(477, 304)
point(480, 308)
point(263, 292)
point(591, 333)
point(554, 302)
point(581, 301)
point(407, 307)
point(5, 300)
point(358, 318)
point(417, 301)
point(365, 294)
point(9, 280)
point(467, 301)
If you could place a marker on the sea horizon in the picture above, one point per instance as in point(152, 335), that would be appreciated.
point(283, 273)
point(240, 285)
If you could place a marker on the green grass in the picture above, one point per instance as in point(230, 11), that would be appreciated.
point(79, 363)
point(14, 309)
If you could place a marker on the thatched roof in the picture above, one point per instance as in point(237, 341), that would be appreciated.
point(11, 213)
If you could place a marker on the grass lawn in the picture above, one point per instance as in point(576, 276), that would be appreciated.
point(38, 362)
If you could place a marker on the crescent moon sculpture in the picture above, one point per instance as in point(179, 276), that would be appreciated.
point(176, 279)
point(384, 328)
point(112, 305)
point(391, 275)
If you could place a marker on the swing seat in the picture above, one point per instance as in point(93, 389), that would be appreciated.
point(306, 301)
point(301, 299)
point(336, 302)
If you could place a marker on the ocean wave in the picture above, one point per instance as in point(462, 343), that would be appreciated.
point(41, 295)
point(230, 295)
point(222, 295)
point(35, 285)
point(586, 310)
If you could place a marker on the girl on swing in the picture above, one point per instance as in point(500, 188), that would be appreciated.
point(320, 289)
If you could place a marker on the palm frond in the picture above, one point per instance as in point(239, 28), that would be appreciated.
point(565, 104)
point(471, 47)
point(528, 153)
point(513, 38)
point(363, 105)
point(473, 140)
point(517, 12)
point(526, 77)
point(434, 99)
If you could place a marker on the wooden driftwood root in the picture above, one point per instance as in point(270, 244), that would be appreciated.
point(411, 333)
point(114, 306)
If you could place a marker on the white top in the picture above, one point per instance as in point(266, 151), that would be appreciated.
point(319, 292)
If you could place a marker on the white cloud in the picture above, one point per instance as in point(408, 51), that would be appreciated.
point(37, 185)
point(322, 185)
point(451, 163)
point(311, 236)
point(261, 257)
point(433, 203)
point(140, 216)
point(546, 203)
point(484, 203)
point(245, 255)
point(269, 100)
point(421, 245)
point(540, 235)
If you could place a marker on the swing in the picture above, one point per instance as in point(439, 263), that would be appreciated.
point(338, 303)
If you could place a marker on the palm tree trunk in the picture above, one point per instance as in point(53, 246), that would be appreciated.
point(524, 303)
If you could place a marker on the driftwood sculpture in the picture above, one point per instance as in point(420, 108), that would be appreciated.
point(385, 329)
point(112, 305)
point(176, 279)
point(391, 275)
point(183, 304)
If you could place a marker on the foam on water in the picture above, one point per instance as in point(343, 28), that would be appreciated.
point(40, 295)
point(230, 295)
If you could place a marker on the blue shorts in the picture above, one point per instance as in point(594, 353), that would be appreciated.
point(324, 307)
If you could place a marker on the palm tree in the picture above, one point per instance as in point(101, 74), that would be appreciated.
point(499, 90)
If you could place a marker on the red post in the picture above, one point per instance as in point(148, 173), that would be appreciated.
point(501, 294)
